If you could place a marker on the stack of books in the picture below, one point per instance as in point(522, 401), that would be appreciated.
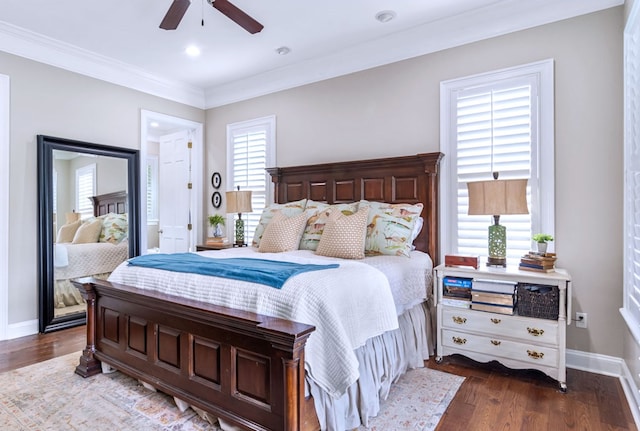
point(217, 240)
point(456, 291)
point(540, 262)
point(493, 296)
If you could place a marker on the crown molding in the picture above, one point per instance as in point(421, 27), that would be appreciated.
point(505, 17)
point(25, 43)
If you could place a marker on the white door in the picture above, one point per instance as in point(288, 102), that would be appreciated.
point(173, 193)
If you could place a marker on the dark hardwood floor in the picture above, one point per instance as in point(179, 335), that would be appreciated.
point(491, 398)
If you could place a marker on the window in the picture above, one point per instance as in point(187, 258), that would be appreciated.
point(631, 276)
point(497, 122)
point(152, 189)
point(251, 149)
point(85, 190)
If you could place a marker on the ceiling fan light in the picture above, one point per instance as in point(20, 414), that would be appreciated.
point(385, 16)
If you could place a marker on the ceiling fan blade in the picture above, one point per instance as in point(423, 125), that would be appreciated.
point(174, 15)
point(238, 16)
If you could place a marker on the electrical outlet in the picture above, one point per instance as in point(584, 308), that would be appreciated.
point(581, 320)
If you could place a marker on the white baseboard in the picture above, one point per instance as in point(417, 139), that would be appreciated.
point(610, 366)
point(22, 329)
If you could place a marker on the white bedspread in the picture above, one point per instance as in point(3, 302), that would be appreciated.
point(331, 300)
point(87, 259)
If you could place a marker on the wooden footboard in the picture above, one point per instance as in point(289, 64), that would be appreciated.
point(243, 367)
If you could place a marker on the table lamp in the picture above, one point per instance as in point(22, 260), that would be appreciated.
point(497, 197)
point(239, 202)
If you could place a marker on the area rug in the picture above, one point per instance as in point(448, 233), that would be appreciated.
point(49, 396)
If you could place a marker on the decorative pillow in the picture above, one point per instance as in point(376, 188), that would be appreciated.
point(417, 228)
point(390, 228)
point(344, 235)
point(288, 209)
point(283, 233)
point(318, 215)
point(115, 228)
point(88, 232)
point(67, 231)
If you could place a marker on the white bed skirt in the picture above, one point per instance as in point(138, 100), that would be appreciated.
point(382, 360)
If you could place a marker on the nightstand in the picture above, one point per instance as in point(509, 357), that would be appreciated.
point(203, 247)
point(513, 340)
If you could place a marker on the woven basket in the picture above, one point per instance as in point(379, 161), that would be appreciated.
point(536, 300)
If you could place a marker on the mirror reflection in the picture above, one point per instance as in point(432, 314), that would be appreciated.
point(90, 220)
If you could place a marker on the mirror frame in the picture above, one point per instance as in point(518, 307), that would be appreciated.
point(46, 145)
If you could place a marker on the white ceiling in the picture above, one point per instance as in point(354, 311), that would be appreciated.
point(120, 41)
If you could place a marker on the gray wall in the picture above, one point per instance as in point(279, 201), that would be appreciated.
point(51, 101)
point(394, 110)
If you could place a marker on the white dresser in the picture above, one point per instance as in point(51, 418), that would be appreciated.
point(514, 341)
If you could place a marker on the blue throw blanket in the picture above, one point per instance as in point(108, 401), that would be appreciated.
point(270, 272)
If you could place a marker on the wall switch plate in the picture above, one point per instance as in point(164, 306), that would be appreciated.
point(581, 320)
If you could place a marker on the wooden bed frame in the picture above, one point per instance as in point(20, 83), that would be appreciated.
point(245, 368)
point(116, 202)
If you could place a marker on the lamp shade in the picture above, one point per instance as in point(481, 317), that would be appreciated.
point(239, 201)
point(498, 197)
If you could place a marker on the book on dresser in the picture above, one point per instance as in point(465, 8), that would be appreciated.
point(540, 262)
point(495, 286)
point(457, 287)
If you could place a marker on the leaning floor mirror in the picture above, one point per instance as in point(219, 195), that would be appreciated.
point(89, 203)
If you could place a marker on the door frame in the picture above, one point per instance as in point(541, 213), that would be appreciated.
point(197, 168)
point(4, 204)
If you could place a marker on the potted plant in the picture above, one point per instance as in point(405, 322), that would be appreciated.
point(216, 221)
point(541, 240)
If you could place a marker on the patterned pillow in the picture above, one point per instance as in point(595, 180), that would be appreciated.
point(115, 228)
point(88, 232)
point(318, 215)
point(283, 233)
point(288, 209)
point(390, 228)
point(68, 231)
point(344, 235)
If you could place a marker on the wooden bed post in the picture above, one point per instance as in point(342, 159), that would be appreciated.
point(88, 365)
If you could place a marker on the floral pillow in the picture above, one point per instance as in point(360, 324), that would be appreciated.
point(115, 228)
point(390, 228)
point(318, 216)
point(289, 209)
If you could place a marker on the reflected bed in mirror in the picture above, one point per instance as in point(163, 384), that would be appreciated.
point(88, 222)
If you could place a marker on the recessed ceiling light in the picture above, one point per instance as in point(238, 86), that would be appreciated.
point(283, 50)
point(154, 124)
point(385, 15)
point(192, 51)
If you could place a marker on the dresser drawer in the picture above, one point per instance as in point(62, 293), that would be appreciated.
point(499, 347)
point(523, 329)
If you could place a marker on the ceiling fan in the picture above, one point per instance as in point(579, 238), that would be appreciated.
point(179, 7)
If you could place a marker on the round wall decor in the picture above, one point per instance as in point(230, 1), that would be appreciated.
point(216, 199)
point(216, 180)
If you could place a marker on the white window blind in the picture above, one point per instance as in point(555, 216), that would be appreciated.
point(85, 189)
point(251, 146)
point(495, 122)
point(152, 188)
point(631, 300)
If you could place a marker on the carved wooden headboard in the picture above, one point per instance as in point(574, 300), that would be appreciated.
point(407, 179)
point(115, 202)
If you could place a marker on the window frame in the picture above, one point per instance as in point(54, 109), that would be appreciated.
point(268, 125)
point(542, 167)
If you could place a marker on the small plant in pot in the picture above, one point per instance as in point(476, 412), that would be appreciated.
point(541, 240)
point(216, 221)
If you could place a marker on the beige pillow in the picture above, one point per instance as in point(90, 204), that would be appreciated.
point(88, 232)
point(282, 233)
point(67, 231)
point(344, 235)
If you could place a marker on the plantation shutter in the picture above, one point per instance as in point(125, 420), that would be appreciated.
point(152, 188)
point(250, 143)
point(85, 189)
point(494, 132)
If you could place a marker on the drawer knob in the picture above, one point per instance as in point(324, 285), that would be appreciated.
point(459, 340)
point(535, 332)
point(496, 321)
point(496, 342)
point(534, 354)
point(459, 320)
